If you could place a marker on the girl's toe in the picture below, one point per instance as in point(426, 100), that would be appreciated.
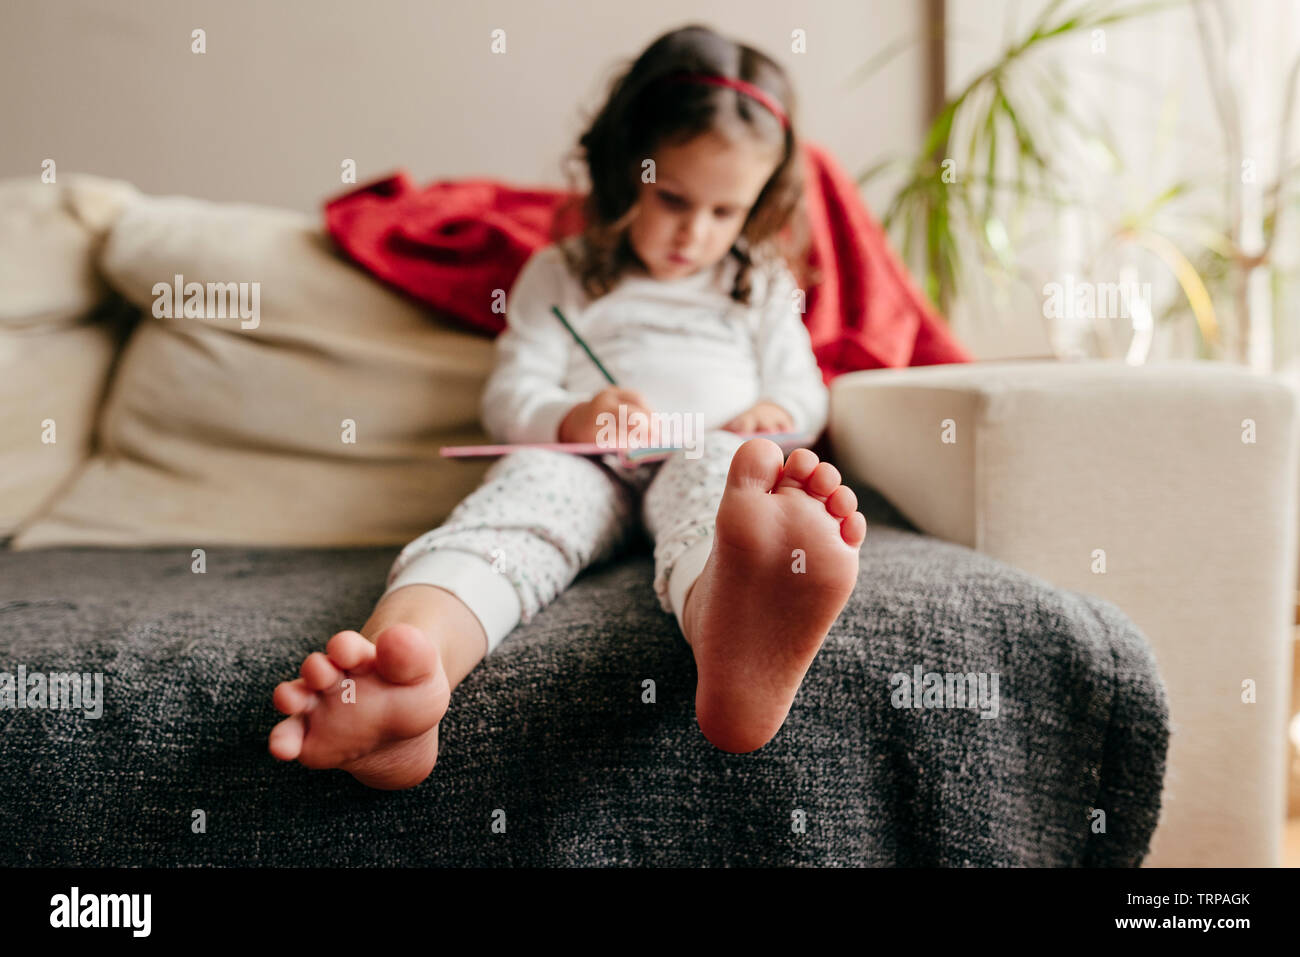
point(824, 480)
point(350, 650)
point(287, 737)
point(319, 672)
point(293, 697)
point(854, 529)
point(798, 466)
point(842, 502)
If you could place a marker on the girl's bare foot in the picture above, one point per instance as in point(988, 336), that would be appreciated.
point(783, 564)
point(381, 726)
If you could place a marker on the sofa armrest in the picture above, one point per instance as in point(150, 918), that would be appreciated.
point(1169, 490)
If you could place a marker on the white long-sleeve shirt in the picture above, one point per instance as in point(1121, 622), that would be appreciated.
point(685, 344)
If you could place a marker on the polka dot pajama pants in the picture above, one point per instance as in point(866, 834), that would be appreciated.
point(540, 517)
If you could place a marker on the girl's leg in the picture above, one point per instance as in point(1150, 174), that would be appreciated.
point(455, 629)
point(510, 548)
point(372, 703)
point(679, 510)
point(756, 554)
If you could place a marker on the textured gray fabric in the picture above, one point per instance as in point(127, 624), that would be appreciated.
point(552, 730)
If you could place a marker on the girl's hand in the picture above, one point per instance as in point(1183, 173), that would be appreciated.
point(762, 417)
point(581, 424)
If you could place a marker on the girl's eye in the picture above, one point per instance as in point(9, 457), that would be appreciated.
point(676, 202)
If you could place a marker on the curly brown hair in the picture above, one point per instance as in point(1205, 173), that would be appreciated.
point(641, 113)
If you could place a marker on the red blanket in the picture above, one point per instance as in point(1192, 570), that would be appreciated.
point(453, 242)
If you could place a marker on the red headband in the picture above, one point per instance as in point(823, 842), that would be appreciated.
point(748, 89)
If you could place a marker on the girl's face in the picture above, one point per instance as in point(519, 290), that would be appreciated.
point(688, 219)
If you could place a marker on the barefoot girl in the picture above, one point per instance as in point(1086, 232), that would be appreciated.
point(678, 289)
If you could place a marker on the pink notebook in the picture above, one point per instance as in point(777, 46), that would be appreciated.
point(628, 457)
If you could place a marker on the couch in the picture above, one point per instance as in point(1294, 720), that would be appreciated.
point(192, 504)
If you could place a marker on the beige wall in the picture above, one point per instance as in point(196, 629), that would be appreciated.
point(289, 88)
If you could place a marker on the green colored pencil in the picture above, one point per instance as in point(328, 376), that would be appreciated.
point(585, 348)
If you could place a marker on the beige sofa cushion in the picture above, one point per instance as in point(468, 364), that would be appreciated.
point(49, 238)
point(51, 384)
point(213, 433)
point(56, 342)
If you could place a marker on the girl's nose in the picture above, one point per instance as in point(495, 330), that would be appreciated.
point(693, 230)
